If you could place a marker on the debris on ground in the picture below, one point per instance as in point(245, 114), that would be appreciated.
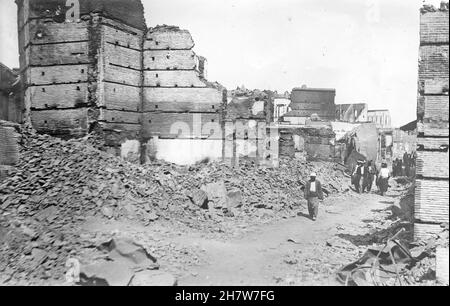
point(58, 185)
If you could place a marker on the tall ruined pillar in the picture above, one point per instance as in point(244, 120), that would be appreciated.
point(182, 111)
point(432, 182)
point(84, 72)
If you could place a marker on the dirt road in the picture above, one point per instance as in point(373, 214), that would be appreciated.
point(294, 251)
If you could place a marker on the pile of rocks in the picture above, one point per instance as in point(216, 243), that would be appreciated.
point(57, 184)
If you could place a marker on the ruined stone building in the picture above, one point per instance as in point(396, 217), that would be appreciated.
point(432, 180)
point(381, 117)
point(357, 112)
point(143, 89)
point(405, 140)
point(247, 117)
point(10, 104)
point(306, 102)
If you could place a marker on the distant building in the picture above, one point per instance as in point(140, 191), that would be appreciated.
point(382, 118)
point(281, 107)
point(357, 112)
point(405, 140)
point(307, 102)
point(10, 109)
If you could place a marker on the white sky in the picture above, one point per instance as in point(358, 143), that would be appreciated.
point(366, 49)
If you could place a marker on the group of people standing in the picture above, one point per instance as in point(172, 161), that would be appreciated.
point(405, 166)
point(365, 173)
point(363, 176)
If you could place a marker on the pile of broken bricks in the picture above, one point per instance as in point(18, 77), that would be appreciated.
point(58, 184)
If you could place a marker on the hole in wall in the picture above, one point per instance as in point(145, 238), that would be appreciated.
point(213, 107)
point(43, 89)
point(42, 73)
point(153, 58)
point(157, 75)
point(78, 88)
point(156, 106)
point(82, 70)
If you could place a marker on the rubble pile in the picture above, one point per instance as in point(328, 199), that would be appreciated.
point(58, 184)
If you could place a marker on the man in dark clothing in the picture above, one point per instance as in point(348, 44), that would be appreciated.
point(313, 193)
point(394, 167)
point(357, 174)
point(368, 177)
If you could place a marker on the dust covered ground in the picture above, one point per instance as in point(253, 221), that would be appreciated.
point(207, 224)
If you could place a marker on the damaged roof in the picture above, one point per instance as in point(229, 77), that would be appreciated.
point(130, 12)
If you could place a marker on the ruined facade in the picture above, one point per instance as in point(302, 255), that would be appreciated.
point(381, 117)
point(107, 72)
point(10, 102)
point(247, 118)
point(309, 101)
point(432, 180)
point(357, 112)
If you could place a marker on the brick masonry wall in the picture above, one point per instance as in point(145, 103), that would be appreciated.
point(109, 75)
point(431, 194)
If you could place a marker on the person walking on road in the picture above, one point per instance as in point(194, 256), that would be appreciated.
point(368, 176)
point(357, 174)
point(383, 179)
point(313, 194)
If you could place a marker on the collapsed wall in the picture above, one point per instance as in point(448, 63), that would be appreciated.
point(83, 74)
point(182, 111)
point(107, 73)
point(432, 182)
point(247, 119)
